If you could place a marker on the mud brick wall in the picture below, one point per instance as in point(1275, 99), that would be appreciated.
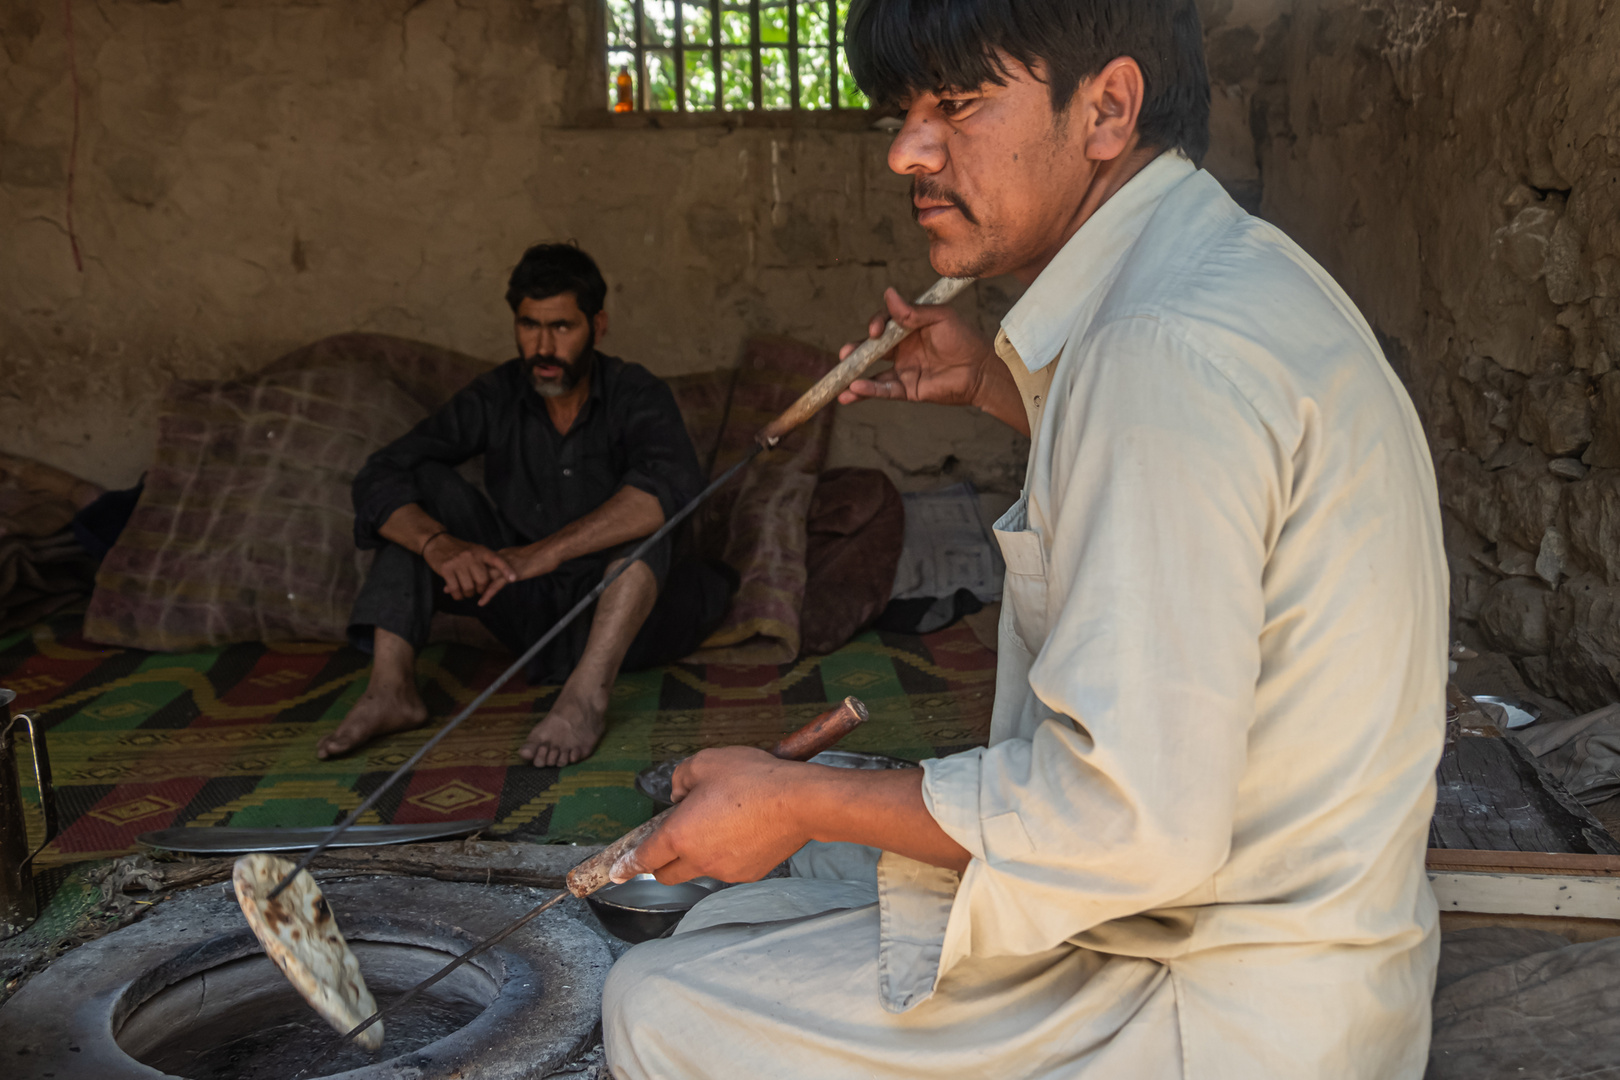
point(1457, 167)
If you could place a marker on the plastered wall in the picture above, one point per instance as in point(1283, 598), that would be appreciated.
point(252, 176)
point(1457, 166)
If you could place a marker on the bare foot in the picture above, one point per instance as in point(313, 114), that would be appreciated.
point(381, 710)
point(570, 731)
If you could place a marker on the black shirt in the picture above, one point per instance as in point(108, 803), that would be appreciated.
point(628, 432)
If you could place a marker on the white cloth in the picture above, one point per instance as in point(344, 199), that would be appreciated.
point(1219, 707)
point(947, 547)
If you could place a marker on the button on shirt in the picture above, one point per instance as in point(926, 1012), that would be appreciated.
point(629, 433)
point(1220, 695)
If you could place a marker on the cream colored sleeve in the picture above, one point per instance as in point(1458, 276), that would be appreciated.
point(1160, 504)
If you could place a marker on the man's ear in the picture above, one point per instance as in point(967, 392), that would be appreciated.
point(1113, 99)
point(599, 324)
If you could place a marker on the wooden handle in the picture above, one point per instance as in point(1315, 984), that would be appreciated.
point(593, 873)
point(822, 733)
point(819, 734)
point(866, 354)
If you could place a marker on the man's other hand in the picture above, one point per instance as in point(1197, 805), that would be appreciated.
point(943, 361)
point(528, 561)
point(734, 818)
point(469, 570)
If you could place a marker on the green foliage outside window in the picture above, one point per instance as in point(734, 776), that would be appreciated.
point(766, 50)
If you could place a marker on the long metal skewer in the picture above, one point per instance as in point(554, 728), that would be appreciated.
point(810, 402)
point(410, 995)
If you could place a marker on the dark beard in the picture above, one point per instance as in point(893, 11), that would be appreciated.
point(572, 374)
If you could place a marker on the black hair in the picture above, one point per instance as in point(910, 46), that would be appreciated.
point(548, 270)
point(902, 47)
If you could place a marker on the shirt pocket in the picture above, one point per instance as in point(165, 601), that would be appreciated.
point(1024, 592)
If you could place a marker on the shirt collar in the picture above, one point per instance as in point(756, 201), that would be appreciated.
point(1039, 324)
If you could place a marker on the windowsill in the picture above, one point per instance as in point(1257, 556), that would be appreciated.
point(825, 120)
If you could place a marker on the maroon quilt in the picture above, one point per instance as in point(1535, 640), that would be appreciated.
point(758, 525)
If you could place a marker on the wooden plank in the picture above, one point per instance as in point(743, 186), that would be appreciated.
point(1494, 796)
point(1519, 862)
point(1574, 931)
point(1527, 894)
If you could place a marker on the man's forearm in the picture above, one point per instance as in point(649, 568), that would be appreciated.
point(410, 527)
point(629, 515)
point(739, 812)
point(879, 809)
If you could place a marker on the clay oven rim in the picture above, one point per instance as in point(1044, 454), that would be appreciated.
point(548, 979)
point(218, 951)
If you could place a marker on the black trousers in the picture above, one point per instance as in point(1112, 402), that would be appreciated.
point(401, 592)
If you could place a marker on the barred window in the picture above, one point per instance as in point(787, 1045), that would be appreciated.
point(666, 56)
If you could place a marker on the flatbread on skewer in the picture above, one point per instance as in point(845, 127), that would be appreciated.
point(299, 933)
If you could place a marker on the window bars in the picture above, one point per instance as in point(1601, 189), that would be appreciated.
point(730, 55)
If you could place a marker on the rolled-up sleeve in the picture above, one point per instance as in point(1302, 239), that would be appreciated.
point(1164, 493)
point(658, 452)
point(387, 481)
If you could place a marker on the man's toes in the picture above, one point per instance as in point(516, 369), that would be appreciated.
point(333, 745)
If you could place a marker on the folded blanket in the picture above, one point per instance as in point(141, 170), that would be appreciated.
point(1511, 1003)
point(42, 568)
point(40, 576)
point(1583, 752)
point(758, 525)
point(37, 500)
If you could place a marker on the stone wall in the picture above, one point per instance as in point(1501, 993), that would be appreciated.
point(1456, 165)
point(251, 176)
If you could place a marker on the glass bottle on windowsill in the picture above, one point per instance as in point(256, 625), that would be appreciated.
point(623, 85)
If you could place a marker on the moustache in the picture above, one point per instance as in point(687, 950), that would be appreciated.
point(569, 368)
point(925, 188)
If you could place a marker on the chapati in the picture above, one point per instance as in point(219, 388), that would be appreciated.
point(300, 934)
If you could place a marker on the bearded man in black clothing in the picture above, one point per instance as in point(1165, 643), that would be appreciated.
point(584, 455)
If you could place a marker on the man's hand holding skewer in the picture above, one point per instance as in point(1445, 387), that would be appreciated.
point(944, 361)
point(739, 812)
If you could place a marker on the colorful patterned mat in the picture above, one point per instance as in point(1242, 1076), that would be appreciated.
point(141, 741)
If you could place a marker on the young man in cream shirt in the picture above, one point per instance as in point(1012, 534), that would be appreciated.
point(1194, 845)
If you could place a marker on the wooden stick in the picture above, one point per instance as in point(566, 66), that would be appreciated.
point(853, 366)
